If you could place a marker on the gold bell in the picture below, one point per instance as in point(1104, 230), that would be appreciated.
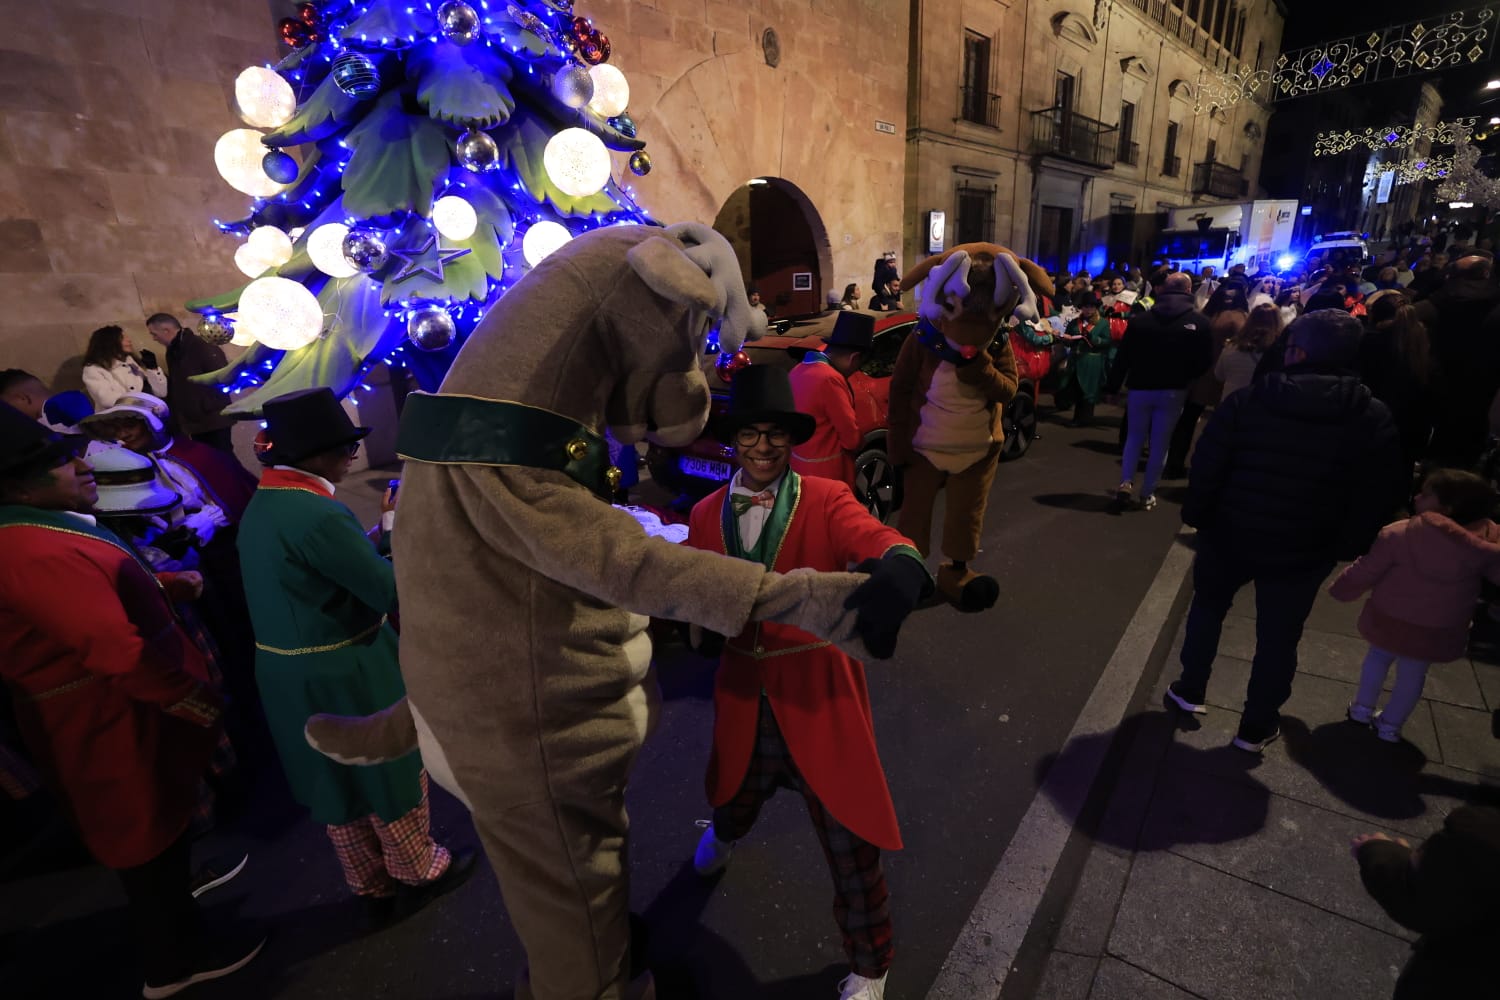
point(612, 476)
point(577, 449)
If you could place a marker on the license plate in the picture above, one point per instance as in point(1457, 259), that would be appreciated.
point(705, 469)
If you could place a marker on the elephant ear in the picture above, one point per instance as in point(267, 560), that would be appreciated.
point(669, 272)
point(713, 254)
point(1026, 307)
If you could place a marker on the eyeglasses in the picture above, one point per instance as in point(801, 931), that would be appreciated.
point(749, 437)
point(353, 449)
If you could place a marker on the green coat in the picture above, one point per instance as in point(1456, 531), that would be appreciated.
point(1090, 362)
point(318, 594)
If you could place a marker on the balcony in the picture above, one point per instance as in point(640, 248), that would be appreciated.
point(1171, 166)
point(1128, 153)
point(1067, 134)
point(979, 107)
point(1219, 181)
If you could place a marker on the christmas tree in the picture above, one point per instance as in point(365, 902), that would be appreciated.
point(442, 149)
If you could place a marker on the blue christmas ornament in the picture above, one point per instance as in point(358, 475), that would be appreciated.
point(623, 124)
point(280, 167)
point(355, 74)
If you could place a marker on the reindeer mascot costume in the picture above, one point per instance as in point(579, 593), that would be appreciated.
point(952, 378)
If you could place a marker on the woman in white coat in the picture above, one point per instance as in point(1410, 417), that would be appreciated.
point(110, 370)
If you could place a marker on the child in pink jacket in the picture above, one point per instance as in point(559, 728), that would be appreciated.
point(1424, 575)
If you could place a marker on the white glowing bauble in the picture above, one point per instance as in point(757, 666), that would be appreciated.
point(325, 246)
point(577, 162)
point(266, 248)
point(238, 155)
point(542, 239)
point(280, 313)
point(454, 217)
point(611, 92)
point(295, 233)
point(263, 98)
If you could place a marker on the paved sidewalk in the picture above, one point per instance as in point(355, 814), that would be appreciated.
point(1216, 874)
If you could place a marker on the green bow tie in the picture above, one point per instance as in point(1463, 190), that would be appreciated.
point(741, 503)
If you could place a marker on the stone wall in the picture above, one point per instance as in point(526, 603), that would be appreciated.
point(109, 110)
point(715, 115)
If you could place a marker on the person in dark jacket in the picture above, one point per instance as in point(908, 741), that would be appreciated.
point(1163, 350)
point(1445, 890)
point(1463, 326)
point(197, 408)
point(1394, 361)
point(1292, 474)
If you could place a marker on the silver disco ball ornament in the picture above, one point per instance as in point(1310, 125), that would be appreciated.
point(216, 330)
point(458, 22)
point(355, 74)
point(478, 152)
point(573, 86)
point(430, 328)
point(366, 250)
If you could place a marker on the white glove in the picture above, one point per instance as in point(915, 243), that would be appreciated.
point(944, 289)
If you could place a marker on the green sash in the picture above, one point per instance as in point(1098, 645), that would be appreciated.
point(768, 546)
point(18, 516)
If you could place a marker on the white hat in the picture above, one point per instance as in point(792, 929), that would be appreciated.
point(128, 485)
point(148, 408)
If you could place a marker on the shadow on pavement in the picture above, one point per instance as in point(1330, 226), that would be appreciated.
point(1101, 447)
point(1382, 779)
point(1088, 503)
point(691, 962)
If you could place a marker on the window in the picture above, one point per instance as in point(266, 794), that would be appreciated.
point(1063, 91)
point(1219, 18)
point(881, 361)
point(1170, 165)
point(1192, 9)
point(1127, 153)
point(976, 215)
point(1260, 54)
point(1239, 37)
point(1213, 151)
point(977, 102)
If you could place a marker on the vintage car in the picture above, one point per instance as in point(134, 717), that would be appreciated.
point(704, 465)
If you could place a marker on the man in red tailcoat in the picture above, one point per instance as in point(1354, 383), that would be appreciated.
point(820, 387)
point(790, 709)
point(111, 695)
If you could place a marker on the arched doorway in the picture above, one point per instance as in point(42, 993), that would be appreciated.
point(781, 243)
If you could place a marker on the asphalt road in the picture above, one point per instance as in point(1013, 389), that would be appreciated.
point(966, 714)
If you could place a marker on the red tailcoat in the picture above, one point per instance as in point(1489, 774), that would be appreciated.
point(823, 394)
point(818, 693)
point(95, 659)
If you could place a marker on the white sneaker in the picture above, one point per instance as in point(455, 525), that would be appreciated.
point(1361, 714)
point(1384, 730)
point(712, 855)
point(857, 987)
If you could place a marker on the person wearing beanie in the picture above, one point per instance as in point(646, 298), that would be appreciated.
point(111, 696)
point(1292, 474)
point(790, 709)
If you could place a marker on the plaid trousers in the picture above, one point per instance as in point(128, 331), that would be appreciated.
point(861, 902)
point(376, 855)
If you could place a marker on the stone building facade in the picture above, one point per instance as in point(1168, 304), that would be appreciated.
point(1064, 128)
point(110, 109)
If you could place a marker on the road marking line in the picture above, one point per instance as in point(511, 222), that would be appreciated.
point(981, 958)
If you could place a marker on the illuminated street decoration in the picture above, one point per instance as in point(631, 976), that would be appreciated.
point(1425, 168)
point(1439, 42)
point(1393, 136)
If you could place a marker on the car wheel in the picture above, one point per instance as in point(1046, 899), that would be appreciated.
point(1018, 420)
point(875, 482)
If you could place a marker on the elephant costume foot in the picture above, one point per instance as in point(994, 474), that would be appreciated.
point(966, 590)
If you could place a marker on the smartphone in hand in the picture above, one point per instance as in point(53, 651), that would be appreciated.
point(393, 486)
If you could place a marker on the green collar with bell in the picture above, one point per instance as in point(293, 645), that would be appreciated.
point(442, 429)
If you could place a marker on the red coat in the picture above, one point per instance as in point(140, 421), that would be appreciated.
point(105, 683)
point(818, 693)
point(823, 394)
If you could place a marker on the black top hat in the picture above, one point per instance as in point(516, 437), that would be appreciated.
point(763, 394)
point(28, 449)
point(854, 330)
point(302, 424)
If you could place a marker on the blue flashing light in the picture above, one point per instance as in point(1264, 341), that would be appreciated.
point(1285, 262)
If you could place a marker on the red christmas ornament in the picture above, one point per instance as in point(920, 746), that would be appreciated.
point(582, 29)
point(728, 364)
point(308, 12)
point(294, 32)
point(595, 50)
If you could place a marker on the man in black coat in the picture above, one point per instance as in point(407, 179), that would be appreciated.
point(196, 408)
point(1463, 326)
point(1297, 472)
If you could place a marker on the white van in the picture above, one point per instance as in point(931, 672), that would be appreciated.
point(1339, 249)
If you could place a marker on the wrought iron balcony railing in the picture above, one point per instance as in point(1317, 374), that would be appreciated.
point(1072, 136)
point(979, 107)
point(1218, 181)
point(1128, 153)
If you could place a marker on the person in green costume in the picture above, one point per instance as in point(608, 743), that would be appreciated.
point(1080, 386)
point(319, 596)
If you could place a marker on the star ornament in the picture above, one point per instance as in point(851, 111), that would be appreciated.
point(430, 258)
